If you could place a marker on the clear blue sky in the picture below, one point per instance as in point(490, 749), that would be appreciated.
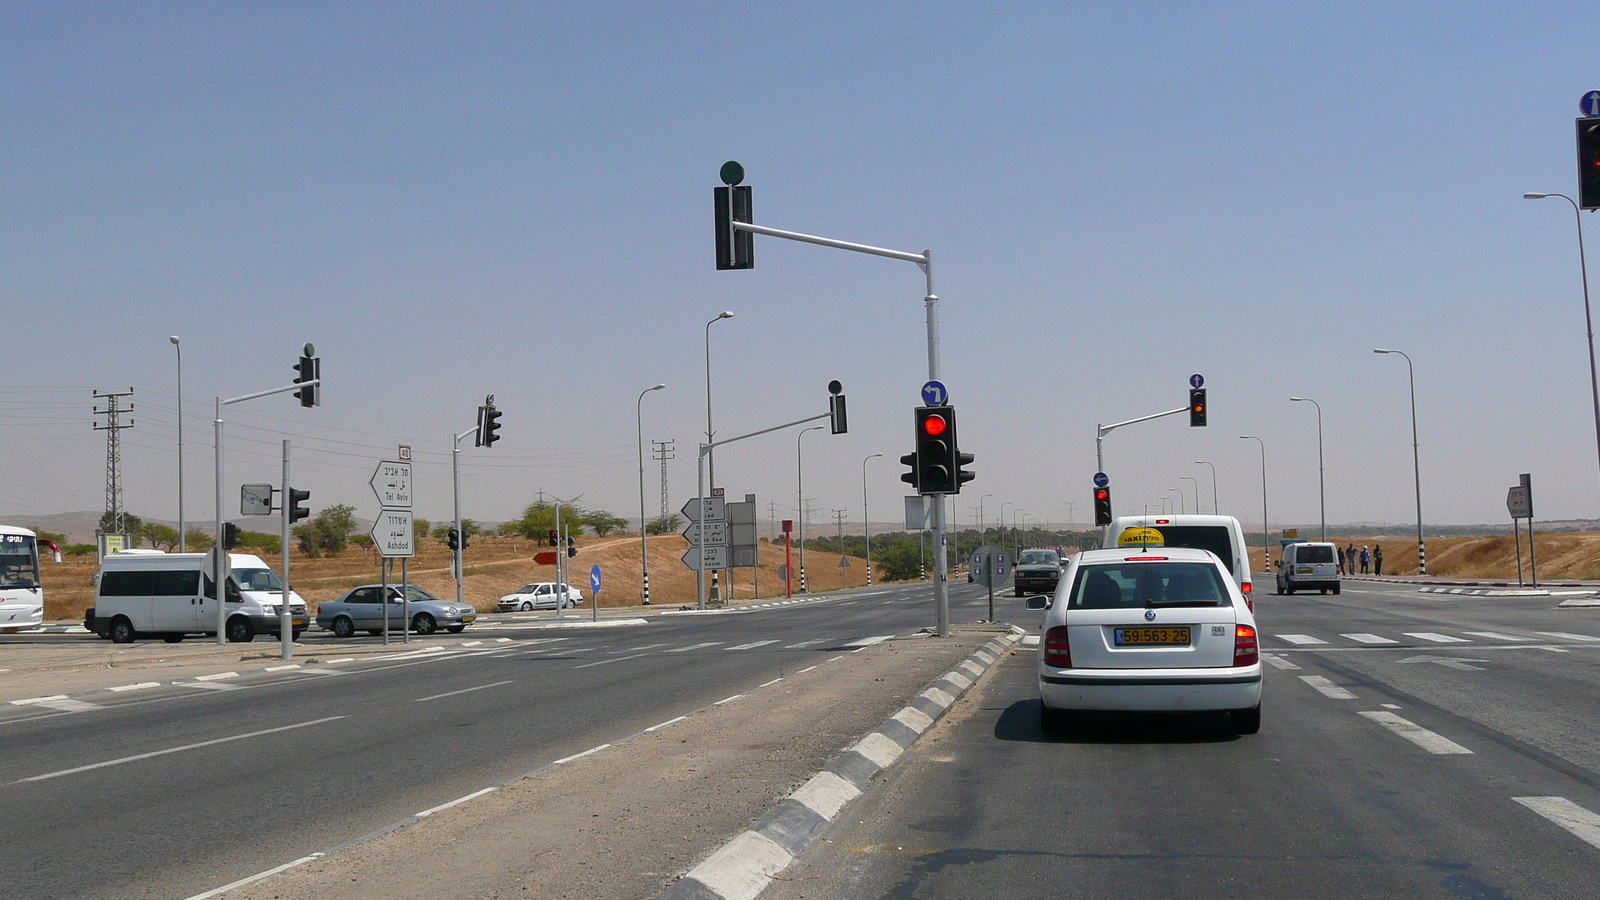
point(454, 199)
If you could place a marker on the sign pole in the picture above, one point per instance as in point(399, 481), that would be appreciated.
point(383, 598)
point(405, 598)
point(285, 620)
point(1516, 532)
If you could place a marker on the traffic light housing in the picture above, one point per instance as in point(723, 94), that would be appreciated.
point(555, 539)
point(735, 249)
point(572, 549)
point(836, 414)
point(452, 539)
point(936, 450)
point(1197, 407)
point(297, 509)
point(488, 425)
point(466, 539)
point(309, 368)
point(963, 475)
point(1102, 505)
point(230, 535)
point(910, 459)
point(1589, 162)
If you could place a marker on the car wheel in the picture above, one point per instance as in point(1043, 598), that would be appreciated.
point(423, 623)
point(1289, 589)
point(374, 631)
point(1336, 589)
point(294, 633)
point(527, 606)
point(240, 631)
point(1246, 721)
point(344, 626)
point(456, 629)
point(172, 638)
point(1052, 721)
point(122, 631)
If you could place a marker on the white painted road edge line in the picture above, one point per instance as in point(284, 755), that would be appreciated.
point(456, 802)
point(1327, 688)
point(281, 668)
point(591, 750)
point(666, 723)
point(462, 691)
point(154, 753)
point(216, 676)
point(1416, 734)
point(259, 876)
point(32, 700)
point(1584, 824)
point(143, 685)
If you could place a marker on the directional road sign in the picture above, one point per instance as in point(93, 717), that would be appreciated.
point(715, 510)
point(1100, 479)
point(1196, 381)
point(714, 534)
point(594, 579)
point(393, 534)
point(1590, 104)
point(715, 557)
point(1519, 503)
point(391, 481)
point(934, 394)
point(547, 558)
point(255, 499)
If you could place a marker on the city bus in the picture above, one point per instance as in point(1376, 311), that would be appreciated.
point(21, 596)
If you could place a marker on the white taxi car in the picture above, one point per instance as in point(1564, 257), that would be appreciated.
point(1146, 628)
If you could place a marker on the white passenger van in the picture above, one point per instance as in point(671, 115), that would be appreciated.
point(1308, 565)
point(147, 592)
point(1221, 535)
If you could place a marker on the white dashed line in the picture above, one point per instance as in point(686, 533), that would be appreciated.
point(772, 682)
point(1571, 637)
point(1495, 635)
point(1278, 661)
point(1327, 688)
point(805, 670)
point(216, 676)
point(750, 646)
point(588, 752)
point(281, 668)
point(154, 753)
point(462, 691)
point(693, 647)
point(137, 687)
point(1416, 734)
point(727, 699)
point(1435, 637)
point(666, 723)
point(1299, 639)
point(456, 802)
point(1369, 639)
point(1584, 824)
point(602, 662)
point(209, 686)
point(866, 642)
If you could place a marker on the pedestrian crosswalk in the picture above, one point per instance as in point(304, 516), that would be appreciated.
point(1424, 638)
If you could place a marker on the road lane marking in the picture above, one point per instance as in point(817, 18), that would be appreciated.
point(804, 644)
point(1278, 661)
point(456, 802)
point(866, 642)
point(805, 670)
point(772, 682)
point(33, 700)
point(1391, 706)
point(462, 691)
point(281, 668)
point(693, 647)
point(602, 662)
point(1327, 688)
point(1495, 635)
point(1416, 734)
point(591, 750)
point(1435, 637)
point(1569, 636)
point(216, 676)
point(666, 723)
point(750, 646)
point(209, 686)
point(154, 753)
point(727, 699)
point(1369, 638)
point(137, 687)
point(1299, 639)
point(1583, 824)
point(643, 647)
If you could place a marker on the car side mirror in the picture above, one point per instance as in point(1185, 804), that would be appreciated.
point(1038, 601)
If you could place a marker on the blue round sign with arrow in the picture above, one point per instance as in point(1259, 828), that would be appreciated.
point(594, 579)
point(934, 394)
point(1195, 381)
point(1590, 104)
point(1100, 479)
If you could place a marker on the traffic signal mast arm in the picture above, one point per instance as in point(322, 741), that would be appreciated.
point(1102, 430)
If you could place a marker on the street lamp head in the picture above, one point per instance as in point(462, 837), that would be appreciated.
point(875, 456)
point(1248, 437)
point(1296, 399)
point(659, 387)
point(725, 314)
point(173, 339)
point(1382, 351)
point(1534, 196)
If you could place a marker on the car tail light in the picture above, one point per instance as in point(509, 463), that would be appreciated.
point(1144, 558)
point(1056, 651)
point(1245, 651)
point(1249, 598)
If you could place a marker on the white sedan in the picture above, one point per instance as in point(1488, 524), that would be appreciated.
point(542, 595)
point(1148, 629)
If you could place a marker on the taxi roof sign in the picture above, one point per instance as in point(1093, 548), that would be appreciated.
point(1141, 536)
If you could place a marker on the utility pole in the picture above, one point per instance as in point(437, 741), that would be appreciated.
point(663, 451)
point(114, 519)
point(838, 521)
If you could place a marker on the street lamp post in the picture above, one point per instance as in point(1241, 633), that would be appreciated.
point(644, 555)
point(183, 541)
point(1322, 494)
point(980, 513)
point(1196, 491)
point(1266, 553)
point(1215, 509)
point(800, 496)
point(866, 523)
point(1588, 320)
point(711, 458)
point(1179, 491)
point(1416, 464)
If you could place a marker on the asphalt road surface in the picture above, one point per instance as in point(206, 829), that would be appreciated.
point(1412, 745)
point(175, 790)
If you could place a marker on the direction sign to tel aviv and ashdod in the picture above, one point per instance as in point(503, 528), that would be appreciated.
point(712, 534)
point(391, 481)
point(934, 394)
point(715, 557)
point(716, 511)
point(393, 534)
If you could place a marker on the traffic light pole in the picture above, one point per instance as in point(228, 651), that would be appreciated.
point(924, 260)
point(285, 619)
point(700, 494)
point(219, 563)
point(457, 556)
point(1102, 430)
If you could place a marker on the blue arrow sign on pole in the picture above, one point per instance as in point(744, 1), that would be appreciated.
point(594, 579)
point(934, 394)
point(1195, 381)
point(1590, 104)
point(1100, 479)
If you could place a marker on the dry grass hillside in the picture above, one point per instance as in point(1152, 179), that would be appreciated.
point(495, 567)
point(1573, 555)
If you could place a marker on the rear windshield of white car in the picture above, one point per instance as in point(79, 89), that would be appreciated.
point(1215, 538)
point(1314, 555)
point(1152, 584)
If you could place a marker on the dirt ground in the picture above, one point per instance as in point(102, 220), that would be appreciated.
point(628, 820)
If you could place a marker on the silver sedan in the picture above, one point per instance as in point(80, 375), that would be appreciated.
point(358, 610)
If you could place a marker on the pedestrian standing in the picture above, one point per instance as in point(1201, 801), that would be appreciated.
point(1341, 560)
point(1366, 558)
point(1350, 559)
point(1377, 559)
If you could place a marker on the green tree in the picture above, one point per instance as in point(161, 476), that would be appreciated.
point(159, 535)
point(603, 523)
point(198, 541)
point(261, 541)
point(132, 523)
point(898, 559)
point(328, 532)
point(538, 519)
point(419, 528)
point(664, 525)
point(364, 541)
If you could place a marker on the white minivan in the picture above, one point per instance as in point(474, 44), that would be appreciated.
point(1222, 535)
point(1308, 565)
point(147, 592)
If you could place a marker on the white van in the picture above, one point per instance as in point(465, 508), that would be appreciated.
point(145, 592)
point(1221, 535)
point(1308, 566)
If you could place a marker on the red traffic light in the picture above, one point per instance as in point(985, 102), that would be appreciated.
point(1102, 494)
point(934, 425)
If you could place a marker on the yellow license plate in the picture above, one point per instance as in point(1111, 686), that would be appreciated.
point(469, 619)
point(298, 622)
point(1125, 637)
